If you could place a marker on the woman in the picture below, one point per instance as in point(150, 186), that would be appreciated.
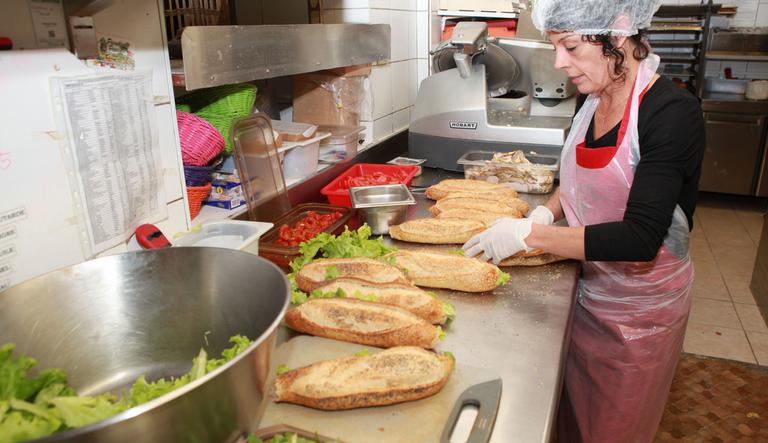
point(628, 185)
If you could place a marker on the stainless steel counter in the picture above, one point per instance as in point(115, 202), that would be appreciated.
point(519, 331)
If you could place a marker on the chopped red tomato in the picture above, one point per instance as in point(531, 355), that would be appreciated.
point(375, 178)
point(306, 228)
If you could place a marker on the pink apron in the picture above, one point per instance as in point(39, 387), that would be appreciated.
point(630, 318)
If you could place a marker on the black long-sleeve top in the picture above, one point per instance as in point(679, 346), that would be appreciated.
point(671, 135)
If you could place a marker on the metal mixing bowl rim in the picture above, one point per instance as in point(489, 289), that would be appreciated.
point(176, 393)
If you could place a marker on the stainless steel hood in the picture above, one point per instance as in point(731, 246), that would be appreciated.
point(219, 55)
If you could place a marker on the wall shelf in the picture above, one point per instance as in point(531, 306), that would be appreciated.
point(220, 55)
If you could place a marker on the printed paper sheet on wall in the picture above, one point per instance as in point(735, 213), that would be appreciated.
point(114, 168)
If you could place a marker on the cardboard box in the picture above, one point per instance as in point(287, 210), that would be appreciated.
point(332, 97)
point(226, 192)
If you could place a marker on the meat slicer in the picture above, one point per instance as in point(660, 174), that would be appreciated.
point(493, 94)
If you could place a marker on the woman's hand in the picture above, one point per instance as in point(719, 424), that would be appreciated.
point(502, 239)
point(542, 215)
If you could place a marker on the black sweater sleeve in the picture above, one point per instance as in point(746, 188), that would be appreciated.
point(671, 133)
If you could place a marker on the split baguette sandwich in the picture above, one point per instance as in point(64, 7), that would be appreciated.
point(515, 208)
point(448, 271)
point(474, 187)
point(410, 298)
point(319, 272)
point(484, 217)
point(363, 322)
point(537, 257)
point(392, 376)
point(437, 231)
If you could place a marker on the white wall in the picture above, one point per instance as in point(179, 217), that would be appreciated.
point(393, 84)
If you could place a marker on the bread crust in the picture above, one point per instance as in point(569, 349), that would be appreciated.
point(288, 385)
point(445, 270)
point(351, 316)
point(445, 187)
point(410, 298)
point(484, 217)
point(313, 275)
point(515, 208)
point(437, 231)
point(531, 260)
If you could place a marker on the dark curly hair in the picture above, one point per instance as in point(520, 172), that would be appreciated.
point(610, 50)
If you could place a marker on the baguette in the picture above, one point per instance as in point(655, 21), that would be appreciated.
point(512, 207)
point(449, 271)
point(437, 231)
point(318, 272)
point(442, 189)
point(388, 377)
point(410, 298)
point(500, 193)
point(486, 218)
point(364, 322)
point(536, 257)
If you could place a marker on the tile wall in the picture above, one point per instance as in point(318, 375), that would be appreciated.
point(393, 85)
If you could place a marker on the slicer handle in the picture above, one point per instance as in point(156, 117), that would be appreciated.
point(463, 63)
point(484, 396)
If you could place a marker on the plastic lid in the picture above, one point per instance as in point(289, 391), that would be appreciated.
point(475, 158)
point(258, 165)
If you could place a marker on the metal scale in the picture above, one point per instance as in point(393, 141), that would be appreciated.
point(490, 94)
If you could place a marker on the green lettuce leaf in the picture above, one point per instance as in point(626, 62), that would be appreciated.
point(239, 344)
point(81, 411)
point(282, 369)
point(503, 279)
point(448, 310)
point(440, 333)
point(346, 245)
point(14, 381)
point(457, 252)
point(142, 391)
point(16, 426)
point(53, 391)
point(288, 437)
point(297, 295)
point(33, 407)
point(363, 353)
point(331, 272)
point(367, 297)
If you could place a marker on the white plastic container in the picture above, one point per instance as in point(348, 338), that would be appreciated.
point(341, 145)
point(536, 177)
point(228, 234)
point(301, 158)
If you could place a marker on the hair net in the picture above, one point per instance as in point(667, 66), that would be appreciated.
point(591, 17)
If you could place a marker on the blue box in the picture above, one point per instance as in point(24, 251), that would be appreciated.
point(226, 192)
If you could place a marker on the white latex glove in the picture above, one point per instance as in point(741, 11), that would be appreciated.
point(542, 215)
point(502, 239)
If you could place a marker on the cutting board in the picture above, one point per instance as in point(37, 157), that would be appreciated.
point(419, 421)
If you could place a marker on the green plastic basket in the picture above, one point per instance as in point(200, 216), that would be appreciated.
point(221, 106)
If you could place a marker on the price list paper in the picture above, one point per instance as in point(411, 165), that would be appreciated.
point(112, 147)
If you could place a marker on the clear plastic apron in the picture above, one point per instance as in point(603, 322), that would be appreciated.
point(630, 317)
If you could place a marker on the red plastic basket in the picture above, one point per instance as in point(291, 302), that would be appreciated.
point(195, 197)
point(337, 194)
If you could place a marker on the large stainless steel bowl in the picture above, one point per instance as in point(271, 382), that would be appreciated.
point(109, 320)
